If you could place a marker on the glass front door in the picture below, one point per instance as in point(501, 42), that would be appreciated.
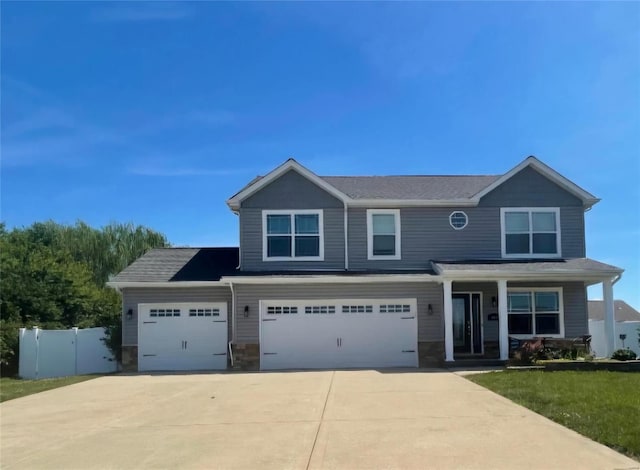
point(467, 326)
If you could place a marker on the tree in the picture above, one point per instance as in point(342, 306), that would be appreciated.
point(53, 276)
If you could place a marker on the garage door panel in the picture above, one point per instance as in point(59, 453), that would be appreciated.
point(339, 333)
point(184, 336)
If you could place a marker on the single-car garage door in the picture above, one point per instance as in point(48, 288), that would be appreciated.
point(182, 336)
point(308, 334)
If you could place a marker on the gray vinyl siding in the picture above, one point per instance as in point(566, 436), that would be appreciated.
point(131, 297)
point(291, 191)
point(530, 189)
point(430, 327)
point(427, 235)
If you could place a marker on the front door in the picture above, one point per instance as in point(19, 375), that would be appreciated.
point(467, 327)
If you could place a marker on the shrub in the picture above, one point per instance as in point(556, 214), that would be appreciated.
point(624, 355)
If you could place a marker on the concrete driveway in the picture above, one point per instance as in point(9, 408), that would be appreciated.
point(342, 419)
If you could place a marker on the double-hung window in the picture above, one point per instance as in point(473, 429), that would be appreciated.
point(535, 312)
point(530, 232)
point(293, 235)
point(383, 233)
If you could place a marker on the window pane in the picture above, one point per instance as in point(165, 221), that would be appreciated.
point(544, 221)
point(517, 243)
point(519, 302)
point(278, 246)
point(545, 243)
point(383, 224)
point(307, 246)
point(548, 324)
point(516, 222)
point(384, 245)
point(547, 302)
point(278, 224)
point(307, 223)
point(520, 324)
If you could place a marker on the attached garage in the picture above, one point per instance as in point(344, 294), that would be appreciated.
point(338, 333)
point(182, 336)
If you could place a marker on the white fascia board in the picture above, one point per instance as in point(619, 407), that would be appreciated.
point(332, 279)
point(124, 284)
point(588, 199)
point(291, 164)
point(529, 276)
point(380, 203)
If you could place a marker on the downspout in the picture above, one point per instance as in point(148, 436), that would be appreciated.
point(233, 322)
point(346, 237)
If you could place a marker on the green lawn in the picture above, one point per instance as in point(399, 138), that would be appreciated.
point(11, 388)
point(604, 406)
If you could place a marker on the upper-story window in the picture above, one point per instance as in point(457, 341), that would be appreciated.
point(383, 233)
point(292, 235)
point(530, 232)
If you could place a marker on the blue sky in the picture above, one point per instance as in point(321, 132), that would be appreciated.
point(156, 113)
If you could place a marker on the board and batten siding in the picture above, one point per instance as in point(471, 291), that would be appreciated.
point(430, 327)
point(131, 297)
point(291, 191)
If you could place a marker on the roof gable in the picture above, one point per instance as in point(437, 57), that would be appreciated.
point(587, 198)
point(290, 165)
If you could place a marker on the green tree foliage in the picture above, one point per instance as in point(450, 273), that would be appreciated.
point(53, 276)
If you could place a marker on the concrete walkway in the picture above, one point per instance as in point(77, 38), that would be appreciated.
point(297, 420)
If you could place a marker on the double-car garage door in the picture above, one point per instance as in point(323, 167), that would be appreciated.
point(182, 336)
point(337, 333)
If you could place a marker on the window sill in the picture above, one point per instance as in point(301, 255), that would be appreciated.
point(298, 258)
point(376, 258)
point(532, 256)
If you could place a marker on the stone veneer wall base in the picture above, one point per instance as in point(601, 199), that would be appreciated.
point(246, 356)
point(129, 358)
point(431, 354)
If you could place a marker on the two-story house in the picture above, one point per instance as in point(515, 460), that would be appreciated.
point(372, 271)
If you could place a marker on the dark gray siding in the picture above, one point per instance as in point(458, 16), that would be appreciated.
point(291, 191)
point(530, 189)
point(430, 327)
point(131, 297)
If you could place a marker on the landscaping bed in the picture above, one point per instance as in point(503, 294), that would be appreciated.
point(602, 405)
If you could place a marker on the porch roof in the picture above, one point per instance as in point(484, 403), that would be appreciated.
point(577, 269)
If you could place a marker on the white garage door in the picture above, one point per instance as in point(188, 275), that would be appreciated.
point(308, 334)
point(182, 336)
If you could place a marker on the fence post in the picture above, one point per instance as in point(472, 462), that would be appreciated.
point(36, 335)
point(75, 349)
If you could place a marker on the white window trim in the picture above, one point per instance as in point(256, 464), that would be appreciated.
point(533, 290)
point(466, 220)
point(530, 210)
point(370, 214)
point(292, 213)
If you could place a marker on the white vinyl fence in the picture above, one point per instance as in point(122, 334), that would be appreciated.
point(59, 353)
point(598, 339)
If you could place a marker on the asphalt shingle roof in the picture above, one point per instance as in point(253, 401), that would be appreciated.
point(622, 311)
point(181, 264)
point(410, 187)
point(524, 266)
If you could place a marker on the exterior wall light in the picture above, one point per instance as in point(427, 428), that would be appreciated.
point(130, 314)
point(430, 309)
point(246, 311)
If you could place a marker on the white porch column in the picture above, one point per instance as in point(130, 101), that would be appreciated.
point(609, 319)
point(448, 321)
point(503, 320)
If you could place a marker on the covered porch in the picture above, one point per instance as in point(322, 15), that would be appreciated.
point(488, 302)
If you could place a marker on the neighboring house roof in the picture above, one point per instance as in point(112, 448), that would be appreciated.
point(584, 268)
point(622, 311)
point(411, 190)
point(180, 265)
